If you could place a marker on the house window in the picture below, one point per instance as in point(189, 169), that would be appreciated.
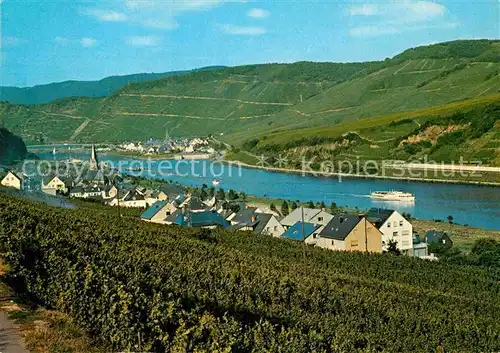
point(354, 243)
point(275, 228)
point(394, 234)
point(400, 223)
point(388, 224)
point(333, 242)
point(406, 232)
point(395, 224)
point(320, 219)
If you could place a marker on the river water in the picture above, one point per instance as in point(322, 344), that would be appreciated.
point(468, 204)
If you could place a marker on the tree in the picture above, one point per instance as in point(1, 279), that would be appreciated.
point(294, 205)
point(220, 195)
point(273, 207)
point(392, 247)
point(450, 219)
point(231, 195)
point(310, 204)
point(322, 205)
point(243, 196)
point(333, 207)
point(284, 209)
point(203, 194)
point(211, 192)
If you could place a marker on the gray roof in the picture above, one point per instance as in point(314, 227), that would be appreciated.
point(262, 220)
point(244, 215)
point(196, 204)
point(173, 216)
point(378, 216)
point(172, 190)
point(340, 226)
point(296, 216)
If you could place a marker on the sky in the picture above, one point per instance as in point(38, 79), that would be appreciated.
point(45, 41)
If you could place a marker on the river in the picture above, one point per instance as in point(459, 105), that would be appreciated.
point(477, 206)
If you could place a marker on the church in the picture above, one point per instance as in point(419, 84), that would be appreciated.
point(95, 174)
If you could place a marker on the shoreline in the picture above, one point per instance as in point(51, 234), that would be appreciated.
point(361, 176)
point(203, 156)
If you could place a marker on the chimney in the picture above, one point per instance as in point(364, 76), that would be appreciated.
point(253, 218)
point(341, 219)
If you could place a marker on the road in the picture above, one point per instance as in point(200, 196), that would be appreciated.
point(10, 341)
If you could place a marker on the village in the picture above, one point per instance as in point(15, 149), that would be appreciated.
point(376, 231)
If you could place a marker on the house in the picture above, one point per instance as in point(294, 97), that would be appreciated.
point(259, 223)
point(52, 184)
point(204, 219)
point(13, 180)
point(394, 227)
point(133, 199)
point(307, 232)
point(419, 247)
point(95, 192)
point(111, 191)
point(435, 237)
point(310, 215)
point(156, 213)
point(243, 216)
point(350, 232)
point(94, 177)
point(164, 193)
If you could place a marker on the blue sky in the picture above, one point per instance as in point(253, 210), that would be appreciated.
point(57, 40)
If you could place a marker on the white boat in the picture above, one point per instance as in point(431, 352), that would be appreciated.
point(215, 182)
point(54, 151)
point(393, 195)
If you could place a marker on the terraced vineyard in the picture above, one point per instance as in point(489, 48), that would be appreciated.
point(244, 102)
point(148, 287)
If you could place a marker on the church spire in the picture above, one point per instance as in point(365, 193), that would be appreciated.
point(94, 163)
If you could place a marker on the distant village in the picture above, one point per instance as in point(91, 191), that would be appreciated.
point(168, 146)
point(375, 231)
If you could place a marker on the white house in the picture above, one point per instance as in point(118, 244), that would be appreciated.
point(393, 227)
point(13, 180)
point(311, 215)
point(50, 184)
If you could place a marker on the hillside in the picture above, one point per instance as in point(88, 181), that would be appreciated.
point(12, 147)
point(256, 100)
point(165, 288)
point(469, 129)
point(46, 93)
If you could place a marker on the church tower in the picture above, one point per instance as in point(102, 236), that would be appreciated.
point(94, 163)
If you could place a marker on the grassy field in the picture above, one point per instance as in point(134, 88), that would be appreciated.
point(463, 236)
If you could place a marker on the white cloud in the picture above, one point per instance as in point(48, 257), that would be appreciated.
point(106, 15)
point(11, 41)
point(395, 16)
point(143, 41)
point(258, 13)
point(88, 42)
point(418, 11)
point(61, 40)
point(243, 30)
point(363, 10)
point(157, 14)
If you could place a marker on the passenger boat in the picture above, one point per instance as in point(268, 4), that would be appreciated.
point(393, 195)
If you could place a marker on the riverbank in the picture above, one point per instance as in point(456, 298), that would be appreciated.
point(493, 178)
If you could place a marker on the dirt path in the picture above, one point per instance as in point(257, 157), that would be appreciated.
point(204, 98)
point(10, 341)
point(79, 129)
